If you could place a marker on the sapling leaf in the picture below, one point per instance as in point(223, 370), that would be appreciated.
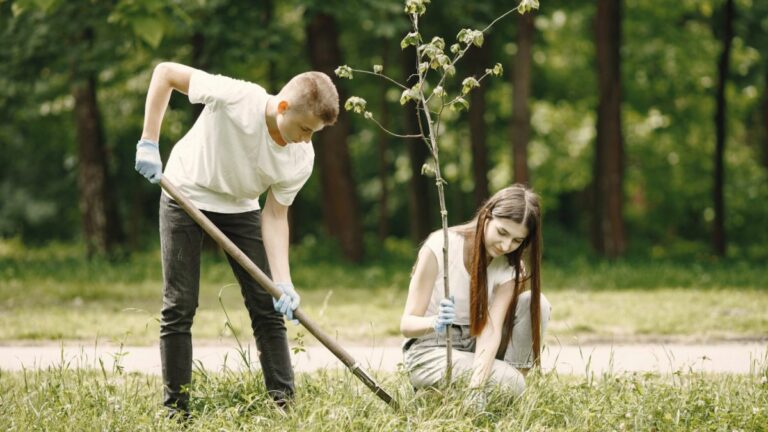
point(356, 104)
point(343, 72)
point(411, 38)
point(459, 103)
point(468, 84)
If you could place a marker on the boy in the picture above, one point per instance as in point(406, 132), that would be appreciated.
point(244, 142)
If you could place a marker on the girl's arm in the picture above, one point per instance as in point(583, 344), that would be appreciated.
point(413, 323)
point(488, 341)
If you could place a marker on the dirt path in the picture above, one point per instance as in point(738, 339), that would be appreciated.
point(566, 359)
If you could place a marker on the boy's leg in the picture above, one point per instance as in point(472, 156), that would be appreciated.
point(519, 350)
point(180, 242)
point(244, 229)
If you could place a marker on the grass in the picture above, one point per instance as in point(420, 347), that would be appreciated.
point(51, 293)
point(60, 398)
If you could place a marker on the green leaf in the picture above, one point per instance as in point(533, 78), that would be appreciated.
point(468, 84)
point(459, 103)
point(356, 104)
point(527, 5)
point(148, 29)
point(416, 6)
point(343, 72)
point(496, 71)
point(449, 69)
point(411, 38)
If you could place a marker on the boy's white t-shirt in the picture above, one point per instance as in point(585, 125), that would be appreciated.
point(228, 159)
point(499, 272)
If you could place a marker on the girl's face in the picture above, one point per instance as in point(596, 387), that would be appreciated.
point(503, 236)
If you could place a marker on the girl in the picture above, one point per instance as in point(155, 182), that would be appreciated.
point(495, 326)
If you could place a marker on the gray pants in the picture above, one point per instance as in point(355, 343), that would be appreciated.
point(426, 362)
point(180, 242)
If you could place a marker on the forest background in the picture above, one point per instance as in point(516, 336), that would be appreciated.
point(643, 125)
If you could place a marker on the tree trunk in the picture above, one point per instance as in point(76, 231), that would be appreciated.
point(418, 153)
point(478, 58)
point(340, 208)
point(718, 232)
point(100, 220)
point(765, 121)
point(384, 170)
point(608, 225)
point(521, 87)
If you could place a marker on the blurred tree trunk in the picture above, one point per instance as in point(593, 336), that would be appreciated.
point(340, 208)
point(100, 220)
point(765, 121)
point(608, 234)
point(718, 231)
point(521, 86)
point(478, 59)
point(418, 191)
point(384, 171)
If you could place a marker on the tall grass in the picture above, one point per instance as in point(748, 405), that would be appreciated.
point(63, 399)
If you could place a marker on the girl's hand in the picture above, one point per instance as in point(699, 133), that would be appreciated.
point(445, 315)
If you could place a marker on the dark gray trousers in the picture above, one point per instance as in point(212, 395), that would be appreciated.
point(180, 243)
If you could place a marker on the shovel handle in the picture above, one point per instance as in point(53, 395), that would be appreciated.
point(232, 250)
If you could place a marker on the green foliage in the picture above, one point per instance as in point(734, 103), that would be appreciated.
point(669, 56)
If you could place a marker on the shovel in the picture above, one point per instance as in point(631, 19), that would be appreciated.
point(265, 282)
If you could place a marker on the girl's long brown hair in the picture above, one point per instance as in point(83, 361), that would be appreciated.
point(521, 205)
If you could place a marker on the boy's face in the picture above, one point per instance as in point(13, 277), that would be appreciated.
point(297, 125)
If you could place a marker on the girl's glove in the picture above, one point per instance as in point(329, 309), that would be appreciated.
point(445, 316)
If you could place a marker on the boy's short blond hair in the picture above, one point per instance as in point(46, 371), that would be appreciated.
point(313, 92)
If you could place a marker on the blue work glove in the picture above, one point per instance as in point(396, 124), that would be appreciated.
point(476, 401)
point(445, 315)
point(148, 162)
point(288, 302)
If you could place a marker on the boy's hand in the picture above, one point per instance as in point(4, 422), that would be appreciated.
point(288, 302)
point(445, 315)
point(148, 162)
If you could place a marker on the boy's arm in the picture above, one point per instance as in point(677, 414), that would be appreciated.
point(489, 339)
point(165, 78)
point(274, 232)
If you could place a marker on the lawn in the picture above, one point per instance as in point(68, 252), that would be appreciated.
point(52, 294)
point(64, 399)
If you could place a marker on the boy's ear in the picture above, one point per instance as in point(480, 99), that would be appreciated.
point(282, 106)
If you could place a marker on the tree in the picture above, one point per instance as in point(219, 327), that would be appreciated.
point(340, 209)
point(431, 57)
point(88, 38)
point(520, 127)
point(608, 224)
point(723, 64)
point(419, 208)
point(479, 58)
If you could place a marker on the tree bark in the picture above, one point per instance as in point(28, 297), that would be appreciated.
point(340, 208)
point(765, 121)
point(478, 58)
point(100, 220)
point(418, 153)
point(718, 231)
point(608, 225)
point(520, 129)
